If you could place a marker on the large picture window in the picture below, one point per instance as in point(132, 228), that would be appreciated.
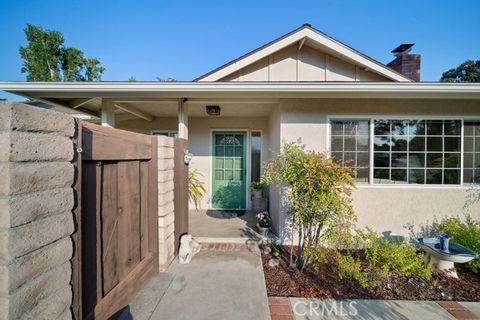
point(417, 151)
point(407, 151)
point(350, 145)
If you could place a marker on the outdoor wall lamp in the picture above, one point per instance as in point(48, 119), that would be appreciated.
point(213, 110)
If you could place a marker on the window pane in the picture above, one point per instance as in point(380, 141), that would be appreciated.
point(416, 176)
point(219, 151)
point(349, 143)
point(362, 143)
point(381, 160)
point(416, 160)
point(381, 175)
point(468, 144)
point(228, 174)
point(451, 160)
point(451, 177)
point(238, 152)
point(399, 160)
point(399, 175)
point(417, 143)
point(434, 160)
point(256, 156)
point(219, 139)
point(349, 159)
point(229, 151)
point(382, 127)
point(399, 127)
point(350, 128)
point(434, 144)
point(434, 176)
point(337, 128)
point(362, 175)
point(476, 164)
point(337, 143)
point(468, 160)
point(452, 127)
point(382, 143)
point(416, 128)
point(218, 174)
point(363, 127)
point(468, 128)
point(219, 163)
point(452, 144)
point(399, 143)
point(468, 176)
point(362, 159)
point(434, 127)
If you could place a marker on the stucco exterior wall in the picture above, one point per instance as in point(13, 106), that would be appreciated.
point(384, 208)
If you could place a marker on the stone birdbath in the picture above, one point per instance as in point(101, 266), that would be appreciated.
point(443, 253)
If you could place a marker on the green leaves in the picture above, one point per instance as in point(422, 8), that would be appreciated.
point(45, 58)
point(317, 192)
point(469, 71)
point(196, 188)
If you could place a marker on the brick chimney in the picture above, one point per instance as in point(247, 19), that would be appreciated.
point(406, 63)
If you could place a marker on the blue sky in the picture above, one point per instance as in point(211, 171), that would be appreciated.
point(184, 39)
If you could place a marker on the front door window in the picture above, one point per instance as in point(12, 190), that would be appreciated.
point(229, 170)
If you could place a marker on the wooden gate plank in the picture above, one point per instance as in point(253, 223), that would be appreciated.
point(153, 202)
point(144, 177)
point(114, 144)
point(128, 176)
point(109, 227)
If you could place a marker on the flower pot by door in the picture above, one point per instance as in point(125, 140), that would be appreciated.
point(263, 231)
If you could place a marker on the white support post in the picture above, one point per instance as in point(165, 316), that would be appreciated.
point(108, 114)
point(182, 119)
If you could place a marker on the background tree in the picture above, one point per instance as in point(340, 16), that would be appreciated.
point(469, 71)
point(46, 58)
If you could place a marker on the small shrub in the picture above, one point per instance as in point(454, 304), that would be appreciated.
point(196, 188)
point(369, 259)
point(465, 232)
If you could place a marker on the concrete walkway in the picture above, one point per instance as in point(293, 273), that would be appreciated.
point(315, 309)
point(215, 285)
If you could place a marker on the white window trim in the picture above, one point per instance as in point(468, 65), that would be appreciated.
point(371, 118)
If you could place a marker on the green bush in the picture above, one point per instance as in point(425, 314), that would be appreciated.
point(465, 232)
point(369, 259)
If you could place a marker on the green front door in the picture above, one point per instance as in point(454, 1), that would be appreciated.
point(229, 183)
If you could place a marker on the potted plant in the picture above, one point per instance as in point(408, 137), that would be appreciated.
point(257, 189)
point(264, 222)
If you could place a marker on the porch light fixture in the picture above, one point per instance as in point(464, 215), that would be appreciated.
point(213, 110)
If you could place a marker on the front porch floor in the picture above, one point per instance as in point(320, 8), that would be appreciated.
point(222, 224)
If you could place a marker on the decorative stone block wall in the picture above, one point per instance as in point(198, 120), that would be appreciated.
point(36, 199)
point(166, 215)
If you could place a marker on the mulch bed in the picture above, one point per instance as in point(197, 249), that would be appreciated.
point(324, 284)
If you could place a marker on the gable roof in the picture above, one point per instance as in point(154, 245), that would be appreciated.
point(301, 34)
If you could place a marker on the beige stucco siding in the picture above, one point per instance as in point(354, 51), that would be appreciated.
point(382, 208)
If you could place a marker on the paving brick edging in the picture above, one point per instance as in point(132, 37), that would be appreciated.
point(280, 308)
point(216, 246)
point(457, 310)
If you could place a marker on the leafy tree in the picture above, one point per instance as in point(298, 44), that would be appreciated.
point(317, 191)
point(469, 71)
point(132, 79)
point(46, 58)
point(166, 79)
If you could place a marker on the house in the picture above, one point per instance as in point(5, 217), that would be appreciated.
point(415, 147)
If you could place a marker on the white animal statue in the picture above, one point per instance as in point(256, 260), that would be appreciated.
point(188, 248)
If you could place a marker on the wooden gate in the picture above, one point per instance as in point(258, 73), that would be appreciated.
point(116, 239)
